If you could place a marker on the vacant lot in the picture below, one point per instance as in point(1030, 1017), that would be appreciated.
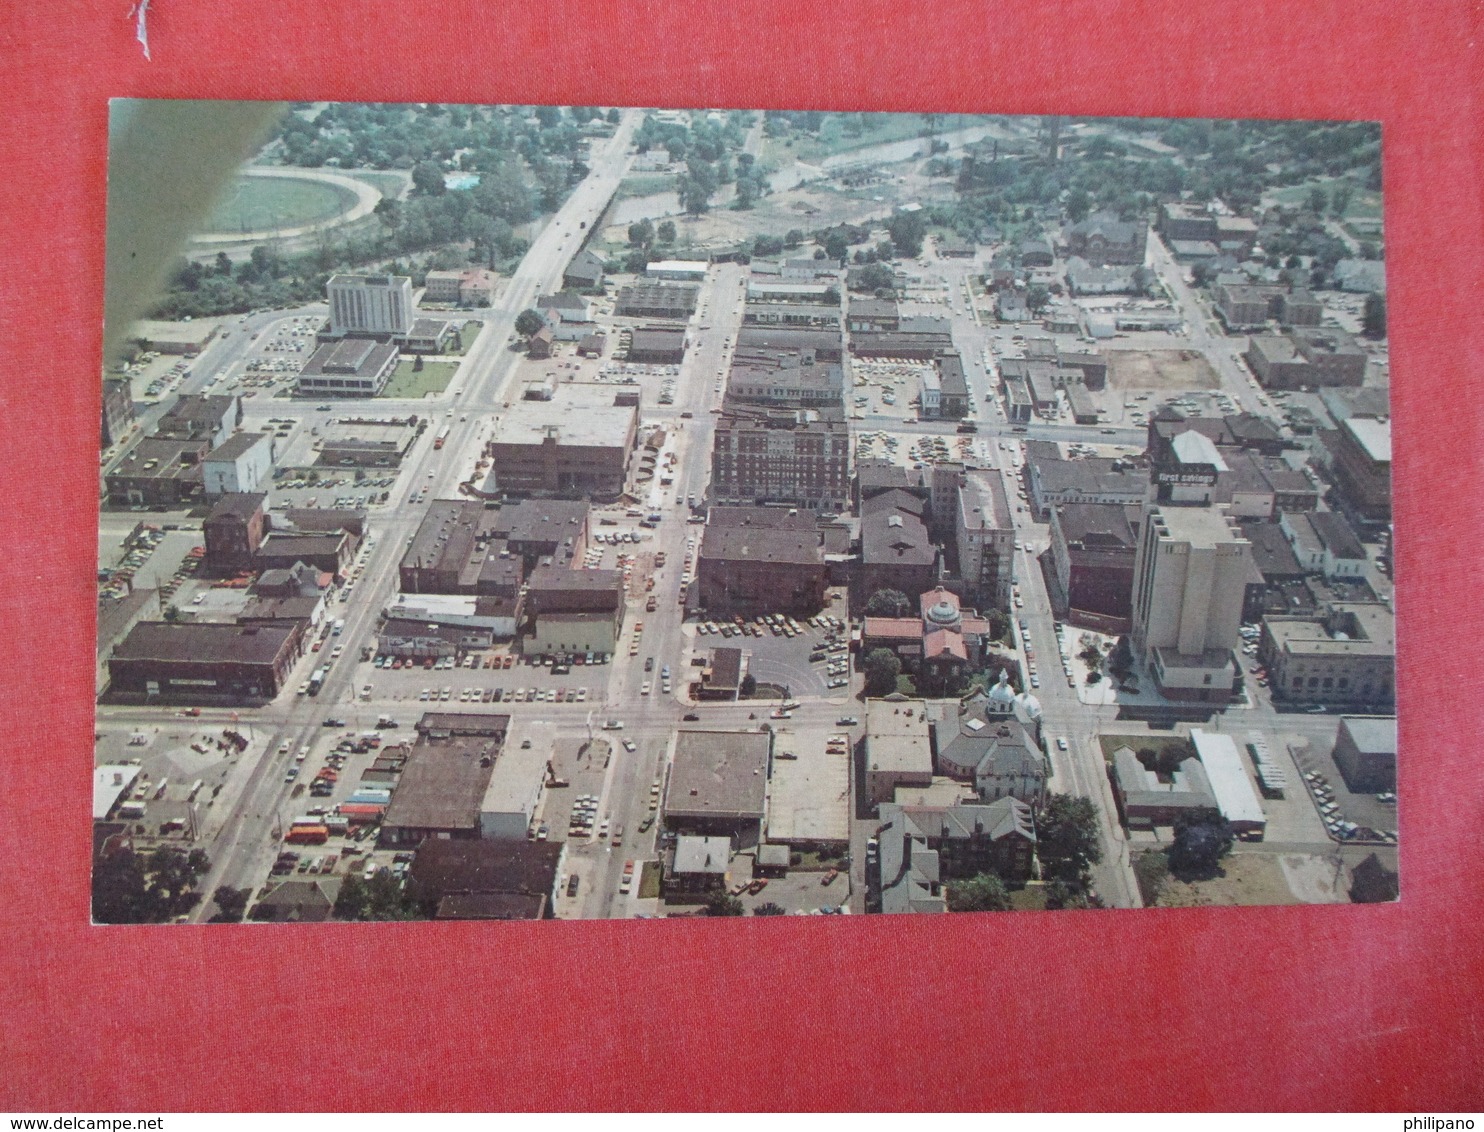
point(1249, 878)
point(261, 203)
point(1160, 369)
point(433, 378)
point(806, 208)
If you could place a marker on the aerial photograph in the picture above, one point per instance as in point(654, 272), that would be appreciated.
point(535, 512)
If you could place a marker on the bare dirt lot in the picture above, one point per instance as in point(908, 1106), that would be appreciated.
point(1160, 369)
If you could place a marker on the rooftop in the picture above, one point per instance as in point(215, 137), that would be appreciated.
point(1373, 436)
point(443, 784)
point(358, 357)
point(237, 444)
point(109, 784)
point(897, 736)
point(580, 414)
point(719, 774)
point(1370, 734)
point(203, 642)
point(1230, 785)
point(705, 855)
point(483, 867)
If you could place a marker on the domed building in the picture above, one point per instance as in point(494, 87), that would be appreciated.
point(940, 643)
point(992, 740)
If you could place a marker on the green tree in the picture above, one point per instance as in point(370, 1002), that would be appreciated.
point(793, 238)
point(872, 278)
point(1067, 838)
point(427, 179)
point(1078, 205)
point(836, 246)
point(888, 603)
point(528, 322)
point(1060, 894)
point(230, 903)
point(697, 187)
point(1202, 838)
point(549, 117)
point(223, 264)
point(983, 893)
point(769, 909)
point(722, 903)
point(132, 888)
point(1339, 201)
point(748, 688)
point(882, 667)
point(1036, 298)
point(389, 212)
point(1373, 320)
point(766, 246)
point(665, 233)
point(614, 117)
point(1201, 274)
point(907, 230)
point(641, 233)
point(1317, 201)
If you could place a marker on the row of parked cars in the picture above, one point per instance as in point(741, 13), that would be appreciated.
point(515, 696)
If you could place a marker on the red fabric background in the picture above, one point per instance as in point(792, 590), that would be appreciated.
point(1265, 1008)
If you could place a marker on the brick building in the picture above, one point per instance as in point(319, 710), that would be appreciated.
point(762, 455)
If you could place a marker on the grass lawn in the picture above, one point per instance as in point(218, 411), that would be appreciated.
point(1365, 204)
point(878, 128)
point(434, 378)
point(387, 183)
point(649, 881)
point(1031, 898)
point(644, 185)
point(812, 862)
point(260, 203)
point(466, 335)
point(1249, 878)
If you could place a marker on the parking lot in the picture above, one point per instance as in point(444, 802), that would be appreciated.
point(797, 893)
point(784, 660)
point(172, 760)
point(516, 680)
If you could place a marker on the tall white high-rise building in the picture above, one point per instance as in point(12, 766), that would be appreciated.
point(370, 305)
point(1190, 575)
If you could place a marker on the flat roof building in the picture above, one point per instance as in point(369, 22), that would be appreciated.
point(899, 750)
point(761, 559)
point(183, 662)
point(1233, 790)
point(576, 445)
point(370, 305)
point(243, 463)
point(656, 300)
point(1190, 576)
point(718, 784)
point(678, 270)
point(1365, 752)
point(487, 880)
point(798, 457)
point(442, 788)
point(353, 367)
